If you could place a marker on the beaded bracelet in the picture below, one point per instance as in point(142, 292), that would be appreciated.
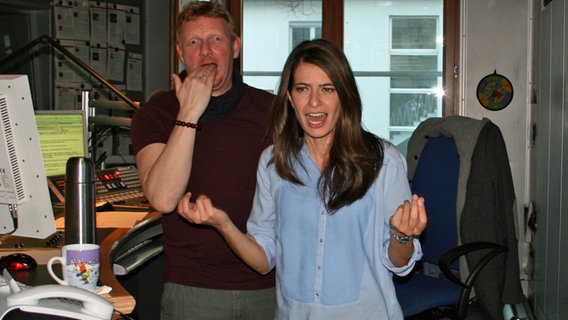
point(187, 124)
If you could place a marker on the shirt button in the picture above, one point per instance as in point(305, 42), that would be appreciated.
point(321, 240)
point(317, 294)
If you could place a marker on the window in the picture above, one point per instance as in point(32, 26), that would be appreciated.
point(402, 52)
point(415, 54)
point(303, 30)
point(271, 29)
point(398, 66)
point(414, 33)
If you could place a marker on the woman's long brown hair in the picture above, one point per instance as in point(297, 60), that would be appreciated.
point(356, 156)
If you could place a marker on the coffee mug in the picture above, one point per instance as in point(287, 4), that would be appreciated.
point(80, 265)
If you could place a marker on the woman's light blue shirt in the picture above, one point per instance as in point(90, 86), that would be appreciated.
point(330, 266)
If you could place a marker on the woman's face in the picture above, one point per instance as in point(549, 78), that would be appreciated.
point(316, 103)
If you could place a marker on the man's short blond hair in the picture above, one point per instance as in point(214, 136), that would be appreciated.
point(212, 9)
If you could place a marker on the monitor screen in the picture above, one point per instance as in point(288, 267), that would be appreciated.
point(62, 135)
point(25, 204)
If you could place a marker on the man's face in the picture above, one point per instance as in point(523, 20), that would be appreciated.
point(207, 40)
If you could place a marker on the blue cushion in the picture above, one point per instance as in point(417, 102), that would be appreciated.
point(435, 179)
point(423, 292)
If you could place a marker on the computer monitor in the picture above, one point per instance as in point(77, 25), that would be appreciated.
point(62, 135)
point(25, 205)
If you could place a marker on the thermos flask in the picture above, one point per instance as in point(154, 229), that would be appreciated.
point(80, 212)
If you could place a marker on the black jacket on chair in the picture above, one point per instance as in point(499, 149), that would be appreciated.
point(492, 220)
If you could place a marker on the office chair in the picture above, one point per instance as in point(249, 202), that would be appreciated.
point(435, 290)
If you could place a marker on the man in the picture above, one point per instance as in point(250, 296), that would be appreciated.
point(205, 137)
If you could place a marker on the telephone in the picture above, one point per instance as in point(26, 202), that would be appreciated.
point(139, 244)
point(51, 299)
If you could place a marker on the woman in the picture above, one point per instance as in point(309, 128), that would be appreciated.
point(331, 210)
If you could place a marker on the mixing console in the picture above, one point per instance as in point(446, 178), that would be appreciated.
point(118, 186)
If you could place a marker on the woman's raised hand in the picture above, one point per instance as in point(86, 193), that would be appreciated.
point(410, 220)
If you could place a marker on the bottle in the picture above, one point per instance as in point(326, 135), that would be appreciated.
point(80, 212)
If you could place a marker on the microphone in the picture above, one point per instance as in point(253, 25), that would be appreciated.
point(80, 213)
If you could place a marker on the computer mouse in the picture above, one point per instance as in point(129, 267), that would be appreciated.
point(18, 262)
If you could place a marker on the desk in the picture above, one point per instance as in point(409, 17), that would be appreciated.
point(119, 297)
point(122, 300)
